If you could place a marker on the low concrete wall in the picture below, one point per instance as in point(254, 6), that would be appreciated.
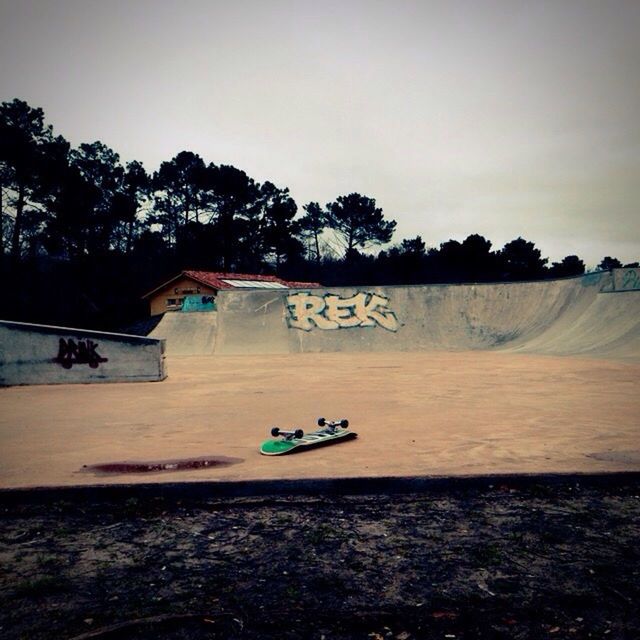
point(40, 354)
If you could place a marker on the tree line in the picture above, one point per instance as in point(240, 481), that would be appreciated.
point(88, 234)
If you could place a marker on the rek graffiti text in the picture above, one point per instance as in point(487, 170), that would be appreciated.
point(329, 312)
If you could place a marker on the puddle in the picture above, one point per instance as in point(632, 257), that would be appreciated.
point(160, 466)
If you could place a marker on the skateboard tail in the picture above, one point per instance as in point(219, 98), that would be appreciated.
point(276, 447)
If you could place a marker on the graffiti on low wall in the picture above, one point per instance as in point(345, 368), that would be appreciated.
point(630, 280)
point(71, 352)
point(329, 311)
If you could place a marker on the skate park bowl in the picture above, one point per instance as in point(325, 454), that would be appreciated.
point(592, 315)
point(436, 380)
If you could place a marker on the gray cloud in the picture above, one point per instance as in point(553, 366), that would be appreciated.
point(499, 117)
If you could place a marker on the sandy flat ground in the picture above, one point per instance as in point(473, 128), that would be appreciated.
point(416, 414)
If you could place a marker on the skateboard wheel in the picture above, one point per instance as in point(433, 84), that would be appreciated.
point(321, 422)
point(275, 432)
point(344, 423)
point(298, 433)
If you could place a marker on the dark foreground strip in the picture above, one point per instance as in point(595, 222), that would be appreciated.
point(96, 494)
point(212, 623)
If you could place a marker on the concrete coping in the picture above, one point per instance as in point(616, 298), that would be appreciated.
point(47, 329)
point(207, 490)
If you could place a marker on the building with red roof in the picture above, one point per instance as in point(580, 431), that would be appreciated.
point(171, 295)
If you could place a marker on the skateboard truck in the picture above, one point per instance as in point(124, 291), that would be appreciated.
point(287, 435)
point(332, 425)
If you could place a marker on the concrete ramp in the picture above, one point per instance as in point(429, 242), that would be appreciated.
point(596, 315)
point(41, 354)
point(608, 327)
point(187, 334)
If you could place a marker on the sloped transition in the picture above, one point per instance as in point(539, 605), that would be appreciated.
point(597, 314)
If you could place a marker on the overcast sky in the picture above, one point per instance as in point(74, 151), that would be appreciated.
point(500, 117)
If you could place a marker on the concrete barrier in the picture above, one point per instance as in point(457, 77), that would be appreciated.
point(41, 354)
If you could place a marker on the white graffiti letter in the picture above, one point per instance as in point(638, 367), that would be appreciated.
point(305, 311)
point(341, 310)
point(374, 311)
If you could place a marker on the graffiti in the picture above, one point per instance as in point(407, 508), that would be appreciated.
point(199, 303)
point(631, 280)
point(330, 311)
point(71, 352)
point(591, 279)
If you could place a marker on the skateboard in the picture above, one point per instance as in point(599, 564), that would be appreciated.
point(330, 432)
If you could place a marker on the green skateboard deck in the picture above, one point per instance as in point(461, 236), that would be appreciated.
point(296, 441)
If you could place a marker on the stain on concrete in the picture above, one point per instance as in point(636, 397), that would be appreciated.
point(160, 466)
point(626, 457)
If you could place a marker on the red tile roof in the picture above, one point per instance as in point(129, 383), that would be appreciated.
point(216, 280)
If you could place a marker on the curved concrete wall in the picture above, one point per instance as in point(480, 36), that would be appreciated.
point(591, 314)
point(40, 354)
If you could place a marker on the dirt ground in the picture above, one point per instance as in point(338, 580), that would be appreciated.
point(510, 560)
point(415, 413)
point(500, 561)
